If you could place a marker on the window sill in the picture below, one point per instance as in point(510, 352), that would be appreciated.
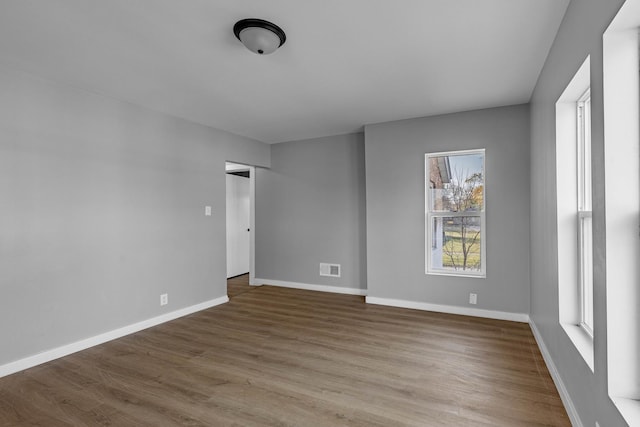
point(456, 274)
point(582, 341)
point(629, 408)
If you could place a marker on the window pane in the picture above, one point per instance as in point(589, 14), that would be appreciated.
point(586, 203)
point(456, 244)
point(585, 250)
point(456, 183)
point(586, 272)
point(584, 152)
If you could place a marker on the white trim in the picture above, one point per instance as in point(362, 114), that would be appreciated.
point(451, 309)
point(456, 273)
point(312, 287)
point(456, 152)
point(557, 380)
point(65, 350)
point(582, 341)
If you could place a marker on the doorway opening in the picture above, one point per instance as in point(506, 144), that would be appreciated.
point(240, 221)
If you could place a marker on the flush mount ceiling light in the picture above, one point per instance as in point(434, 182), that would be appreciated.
point(259, 36)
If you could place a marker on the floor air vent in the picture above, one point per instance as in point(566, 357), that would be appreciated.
point(331, 270)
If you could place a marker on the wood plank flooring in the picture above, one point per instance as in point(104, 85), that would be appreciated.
point(238, 285)
point(286, 357)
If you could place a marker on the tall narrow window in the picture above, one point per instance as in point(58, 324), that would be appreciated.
point(585, 247)
point(621, 219)
point(455, 213)
point(573, 204)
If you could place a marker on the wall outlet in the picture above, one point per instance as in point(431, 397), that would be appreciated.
point(473, 298)
point(164, 299)
point(207, 210)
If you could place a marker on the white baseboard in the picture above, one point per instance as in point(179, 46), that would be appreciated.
point(65, 350)
point(451, 309)
point(562, 390)
point(310, 287)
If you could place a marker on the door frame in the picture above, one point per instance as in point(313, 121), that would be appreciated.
point(252, 214)
point(252, 225)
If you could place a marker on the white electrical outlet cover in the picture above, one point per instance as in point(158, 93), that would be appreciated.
point(473, 298)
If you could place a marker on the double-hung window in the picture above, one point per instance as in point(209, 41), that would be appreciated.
point(455, 213)
point(573, 212)
point(585, 239)
point(619, 192)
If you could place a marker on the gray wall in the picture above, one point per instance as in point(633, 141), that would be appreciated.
point(580, 35)
point(395, 207)
point(102, 211)
point(310, 209)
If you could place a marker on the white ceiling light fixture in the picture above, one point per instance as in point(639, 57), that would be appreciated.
point(259, 36)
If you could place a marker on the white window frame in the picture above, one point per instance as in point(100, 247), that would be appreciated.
point(430, 215)
point(584, 212)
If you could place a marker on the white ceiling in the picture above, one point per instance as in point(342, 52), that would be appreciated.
point(346, 63)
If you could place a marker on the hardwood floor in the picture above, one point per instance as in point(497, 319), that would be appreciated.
point(238, 285)
point(286, 357)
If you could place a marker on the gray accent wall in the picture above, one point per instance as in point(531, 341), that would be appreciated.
point(580, 35)
point(395, 179)
point(310, 208)
point(102, 211)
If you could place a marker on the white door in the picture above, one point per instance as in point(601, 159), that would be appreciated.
point(238, 205)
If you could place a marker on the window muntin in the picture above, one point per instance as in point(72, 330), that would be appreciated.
point(455, 213)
